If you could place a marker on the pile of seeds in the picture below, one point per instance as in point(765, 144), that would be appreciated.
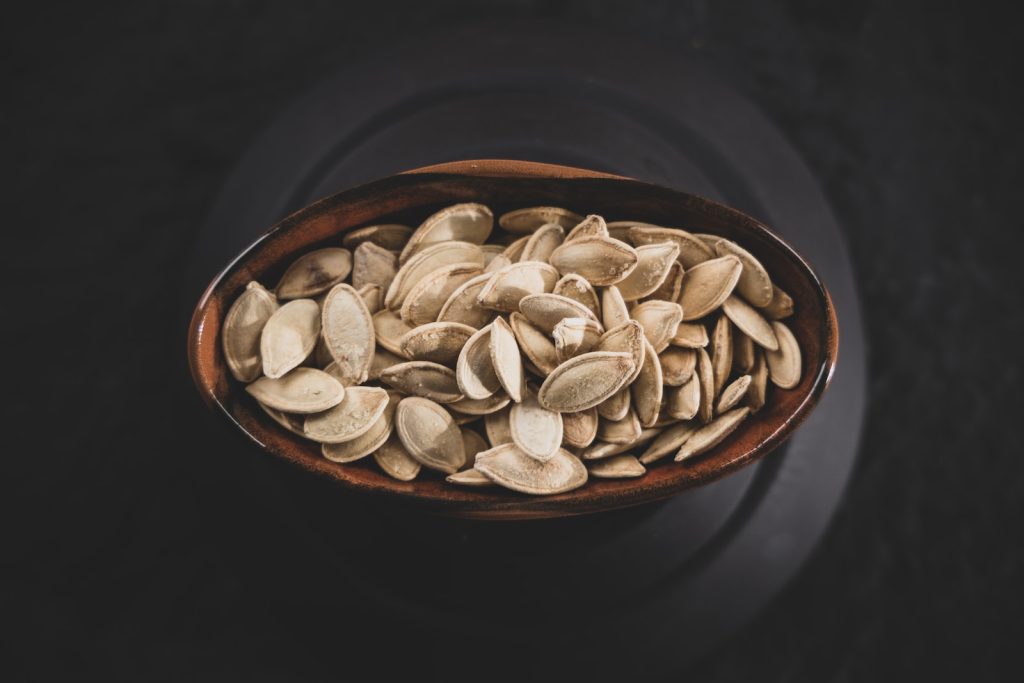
point(576, 347)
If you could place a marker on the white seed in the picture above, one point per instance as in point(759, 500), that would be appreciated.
point(547, 310)
point(529, 219)
point(690, 336)
point(508, 286)
point(426, 261)
point(462, 306)
point(614, 311)
point(691, 249)
point(750, 322)
point(542, 242)
point(425, 379)
point(430, 435)
point(508, 364)
point(591, 226)
point(579, 429)
point(710, 435)
point(754, 284)
point(508, 466)
point(535, 344)
point(617, 467)
point(303, 391)
point(660, 320)
point(721, 352)
point(314, 273)
point(670, 440)
point(474, 369)
point(601, 260)
point(351, 418)
point(577, 288)
point(243, 327)
point(348, 331)
point(647, 389)
point(585, 381)
point(536, 430)
point(424, 302)
point(706, 285)
point(389, 330)
point(396, 461)
point(462, 223)
point(654, 262)
point(289, 336)
point(784, 365)
point(390, 236)
point(436, 342)
point(373, 265)
point(677, 365)
point(732, 394)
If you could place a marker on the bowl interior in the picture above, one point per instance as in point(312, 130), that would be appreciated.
point(408, 198)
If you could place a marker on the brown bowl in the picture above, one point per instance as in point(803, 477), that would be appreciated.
point(503, 185)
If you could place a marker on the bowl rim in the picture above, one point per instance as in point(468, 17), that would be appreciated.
point(517, 506)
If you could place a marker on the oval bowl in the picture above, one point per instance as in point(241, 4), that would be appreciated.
point(504, 185)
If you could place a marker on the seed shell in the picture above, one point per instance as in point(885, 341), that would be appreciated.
point(353, 417)
point(750, 322)
point(314, 273)
point(754, 284)
point(430, 435)
point(348, 330)
point(425, 379)
point(617, 467)
point(529, 219)
point(289, 336)
point(654, 262)
point(243, 327)
point(536, 430)
point(585, 381)
point(601, 260)
point(708, 284)
point(784, 365)
point(710, 435)
point(508, 466)
point(303, 391)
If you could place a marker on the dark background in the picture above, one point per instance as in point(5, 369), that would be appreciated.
point(120, 123)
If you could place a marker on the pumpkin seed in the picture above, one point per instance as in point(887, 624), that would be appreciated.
point(670, 288)
point(497, 427)
point(303, 391)
point(497, 263)
point(781, 305)
point(614, 311)
point(617, 405)
point(474, 369)
point(750, 322)
point(481, 406)
point(706, 375)
point(758, 383)
point(362, 446)
point(579, 429)
point(660, 320)
point(424, 302)
point(536, 430)
point(647, 389)
point(671, 439)
point(373, 265)
point(742, 352)
point(462, 223)
point(620, 230)
point(462, 306)
point(430, 435)
point(654, 261)
point(382, 360)
point(784, 364)
point(541, 243)
point(578, 289)
point(599, 450)
point(426, 261)
point(547, 310)
point(574, 336)
point(535, 344)
point(591, 226)
point(529, 219)
point(372, 296)
point(508, 364)
point(470, 477)
point(293, 423)
point(677, 365)
point(690, 336)
point(472, 443)
point(626, 430)
point(721, 352)
point(601, 260)
point(353, 417)
point(491, 251)
point(289, 336)
point(754, 284)
point(710, 435)
point(349, 334)
point(396, 461)
point(243, 327)
point(423, 378)
point(732, 394)
point(691, 249)
point(708, 284)
point(314, 273)
point(684, 401)
point(508, 466)
point(514, 251)
point(617, 467)
point(436, 342)
point(390, 236)
point(629, 338)
point(508, 286)
point(389, 330)
point(585, 381)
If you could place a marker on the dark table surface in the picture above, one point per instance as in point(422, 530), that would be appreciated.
point(120, 124)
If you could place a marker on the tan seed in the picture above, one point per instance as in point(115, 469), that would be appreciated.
point(514, 251)
point(614, 311)
point(585, 381)
point(425, 379)
point(578, 289)
point(508, 364)
point(362, 446)
point(574, 336)
point(508, 286)
point(690, 336)
point(545, 240)
point(497, 427)
point(349, 335)
point(784, 365)
point(510, 467)
point(721, 352)
point(289, 336)
point(472, 443)
point(660, 320)
point(536, 430)
point(529, 219)
point(677, 365)
point(424, 302)
point(462, 306)
point(396, 461)
point(430, 435)
point(624, 431)
point(669, 441)
point(750, 322)
point(591, 226)
point(535, 344)
point(742, 352)
point(754, 284)
point(390, 236)
point(706, 376)
point(243, 327)
point(353, 417)
point(372, 296)
point(436, 342)
point(691, 249)
point(617, 467)
point(460, 223)
point(599, 450)
point(781, 305)
point(293, 423)
point(732, 394)
point(314, 273)
point(654, 262)
point(547, 310)
point(382, 360)
point(601, 260)
point(474, 369)
point(684, 401)
point(627, 337)
point(710, 435)
point(470, 477)
point(706, 285)
point(373, 265)
point(758, 382)
point(389, 330)
point(481, 406)
point(426, 261)
point(616, 406)
point(647, 389)
point(303, 391)
point(580, 428)
point(671, 287)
